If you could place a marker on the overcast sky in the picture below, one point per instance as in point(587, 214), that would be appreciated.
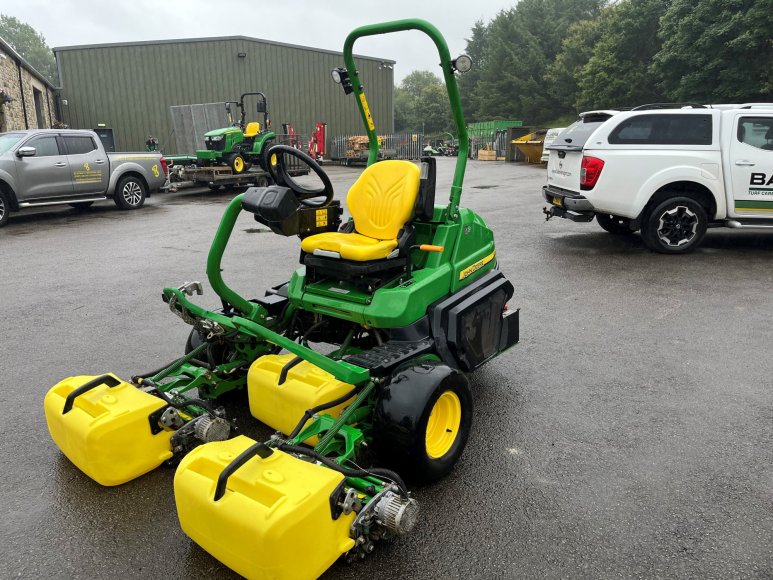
point(320, 23)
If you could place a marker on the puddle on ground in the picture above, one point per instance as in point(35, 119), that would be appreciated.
point(484, 186)
point(256, 231)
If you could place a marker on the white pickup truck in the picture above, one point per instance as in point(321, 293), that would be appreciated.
point(670, 171)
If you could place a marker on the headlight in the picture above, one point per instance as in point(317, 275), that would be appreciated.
point(216, 138)
point(462, 64)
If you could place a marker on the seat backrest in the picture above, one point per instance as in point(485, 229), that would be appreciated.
point(253, 128)
point(381, 201)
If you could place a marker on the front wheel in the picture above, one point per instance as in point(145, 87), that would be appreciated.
point(675, 226)
point(5, 208)
point(614, 224)
point(130, 193)
point(422, 420)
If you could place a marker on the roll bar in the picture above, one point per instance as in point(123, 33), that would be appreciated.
point(452, 213)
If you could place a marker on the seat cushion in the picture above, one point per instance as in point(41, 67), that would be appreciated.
point(349, 246)
point(253, 128)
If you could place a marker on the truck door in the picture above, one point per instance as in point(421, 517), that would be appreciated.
point(45, 174)
point(751, 165)
point(88, 164)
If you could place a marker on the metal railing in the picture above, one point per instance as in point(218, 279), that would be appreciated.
point(349, 149)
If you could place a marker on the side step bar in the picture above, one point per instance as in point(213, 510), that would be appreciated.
point(749, 224)
point(60, 201)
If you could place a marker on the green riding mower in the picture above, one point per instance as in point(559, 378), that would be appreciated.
point(241, 144)
point(366, 345)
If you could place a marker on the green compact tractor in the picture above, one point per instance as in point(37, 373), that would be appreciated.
point(366, 345)
point(239, 145)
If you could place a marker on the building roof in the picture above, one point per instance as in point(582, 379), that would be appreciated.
point(211, 39)
point(5, 47)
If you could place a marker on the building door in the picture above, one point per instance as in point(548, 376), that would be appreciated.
point(38, 96)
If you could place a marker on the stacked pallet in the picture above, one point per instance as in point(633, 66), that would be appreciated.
point(487, 155)
point(357, 146)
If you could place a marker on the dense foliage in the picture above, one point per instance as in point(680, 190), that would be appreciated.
point(30, 44)
point(543, 61)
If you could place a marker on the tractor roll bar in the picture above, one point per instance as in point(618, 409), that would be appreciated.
point(452, 213)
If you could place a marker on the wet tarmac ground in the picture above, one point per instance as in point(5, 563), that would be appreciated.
point(629, 434)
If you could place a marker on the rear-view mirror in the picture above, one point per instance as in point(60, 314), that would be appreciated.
point(26, 152)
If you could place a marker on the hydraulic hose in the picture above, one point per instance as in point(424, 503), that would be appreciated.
point(378, 471)
point(311, 412)
point(187, 403)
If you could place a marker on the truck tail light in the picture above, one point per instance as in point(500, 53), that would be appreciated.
point(590, 172)
point(164, 166)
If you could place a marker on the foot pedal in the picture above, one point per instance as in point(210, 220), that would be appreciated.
point(380, 360)
point(102, 424)
point(260, 511)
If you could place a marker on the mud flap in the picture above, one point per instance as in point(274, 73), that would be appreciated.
point(102, 425)
point(260, 511)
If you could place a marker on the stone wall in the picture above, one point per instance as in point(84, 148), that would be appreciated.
point(12, 117)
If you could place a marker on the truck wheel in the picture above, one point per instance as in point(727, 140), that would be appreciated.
point(237, 164)
point(422, 420)
point(5, 208)
point(613, 224)
point(675, 226)
point(130, 193)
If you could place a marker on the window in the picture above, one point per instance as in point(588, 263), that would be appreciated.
point(46, 146)
point(756, 131)
point(78, 145)
point(576, 134)
point(8, 140)
point(663, 130)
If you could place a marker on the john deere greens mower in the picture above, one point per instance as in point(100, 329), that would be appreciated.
point(407, 297)
point(241, 144)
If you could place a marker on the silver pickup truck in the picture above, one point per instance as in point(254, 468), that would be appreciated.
point(66, 166)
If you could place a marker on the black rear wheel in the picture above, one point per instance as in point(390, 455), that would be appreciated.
point(422, 420)
point(675, 226)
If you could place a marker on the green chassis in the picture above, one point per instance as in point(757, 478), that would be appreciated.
point(250, 332)
point(233, 137)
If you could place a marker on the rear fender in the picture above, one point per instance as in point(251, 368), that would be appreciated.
point(709, 177)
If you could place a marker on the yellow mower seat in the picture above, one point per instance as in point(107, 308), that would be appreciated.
point(252, 129)
point(381, 202)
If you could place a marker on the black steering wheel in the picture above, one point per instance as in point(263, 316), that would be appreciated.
point(280, 172)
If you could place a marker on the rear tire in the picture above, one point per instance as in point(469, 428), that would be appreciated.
point(264, 160)
point(614, 224)
point(130, 193)
point(422, 420)
point(5, 208)
point(675, 226)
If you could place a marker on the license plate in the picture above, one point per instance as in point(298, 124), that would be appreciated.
point(557, 201)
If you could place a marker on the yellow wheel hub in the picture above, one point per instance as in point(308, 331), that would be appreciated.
point(443, 425)
point(238, 165)
point(273, 160)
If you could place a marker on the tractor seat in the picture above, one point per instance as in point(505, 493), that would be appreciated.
point(253, 128)
point(381, 202)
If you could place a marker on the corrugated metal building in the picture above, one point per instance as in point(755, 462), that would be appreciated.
point(130, 86)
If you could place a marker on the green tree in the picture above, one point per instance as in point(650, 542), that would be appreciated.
point(619, 73)
point(563, 73)
point(522, 42)
point(717, 50)
point(420, 101)
point(30, 44)
point(477, 47)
